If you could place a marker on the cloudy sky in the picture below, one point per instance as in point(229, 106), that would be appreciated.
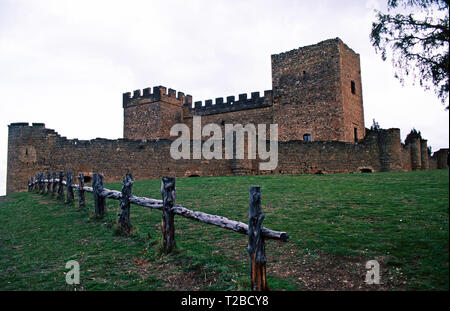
point(67, 63)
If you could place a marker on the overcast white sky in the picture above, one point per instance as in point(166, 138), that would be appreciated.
point(67, 63)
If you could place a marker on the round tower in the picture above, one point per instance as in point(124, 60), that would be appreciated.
point(415, 152)
point(425, 164)
point(390, 150)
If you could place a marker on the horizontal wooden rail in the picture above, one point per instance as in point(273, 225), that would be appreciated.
point(202, 217)
point(226, 223)
point(254, 230)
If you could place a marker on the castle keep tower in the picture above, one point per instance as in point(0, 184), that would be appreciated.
point(317, 93)
point(150, 115)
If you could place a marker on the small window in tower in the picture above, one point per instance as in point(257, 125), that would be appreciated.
point(307, 137)
point(353, 86)
point(356, 134)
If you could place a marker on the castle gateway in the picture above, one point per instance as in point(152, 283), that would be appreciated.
point(316, 101)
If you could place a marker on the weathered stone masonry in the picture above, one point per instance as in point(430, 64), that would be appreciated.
point(316, 92)
point(35, 149)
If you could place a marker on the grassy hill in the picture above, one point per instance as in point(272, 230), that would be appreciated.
point(336, 223)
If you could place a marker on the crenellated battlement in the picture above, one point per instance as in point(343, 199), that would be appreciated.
point(18, 124)
point(231, 104)
point(159, 93)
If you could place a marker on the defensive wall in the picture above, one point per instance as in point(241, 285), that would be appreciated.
point(34, 148)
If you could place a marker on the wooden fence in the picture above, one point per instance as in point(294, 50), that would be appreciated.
point(257, 234)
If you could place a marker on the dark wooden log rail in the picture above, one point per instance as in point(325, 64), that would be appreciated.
point(256, 233)
point(215, 220)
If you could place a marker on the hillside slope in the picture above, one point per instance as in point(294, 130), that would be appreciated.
point(336, 223)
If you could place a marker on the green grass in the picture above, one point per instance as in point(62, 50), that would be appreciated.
point(400, 219)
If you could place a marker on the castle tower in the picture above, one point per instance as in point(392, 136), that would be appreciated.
point(151, 115)
point(27, 153)
point(317, 93)
point(415, 151)
point(389, 147)
point(425, 164)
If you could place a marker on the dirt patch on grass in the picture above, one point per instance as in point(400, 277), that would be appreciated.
point(319, 271)
point(172, 277)
point(47, 201)
point(187, 281)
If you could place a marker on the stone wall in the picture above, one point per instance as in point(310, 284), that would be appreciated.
point(406, 158)
point(48, 151)
point(440, 159)
point(34, 149)
point(351, 88)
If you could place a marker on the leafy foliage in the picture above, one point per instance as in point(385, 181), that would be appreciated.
point(418, 42)
point(375, 126)
point(413, 134)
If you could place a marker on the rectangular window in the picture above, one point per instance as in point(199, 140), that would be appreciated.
point(307, 137)
point(353, 86)
point(356, 134)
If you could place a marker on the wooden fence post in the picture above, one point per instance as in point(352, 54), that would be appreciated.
point(48, 182)
point(99, 201)
point(256, 246)
point(60, 185)
point(54, 183)
point(30, 184)
point(41, 183)
point(124, 215)
point(33, 187)
point(69, 181)
point(167, 225)
point(36, 183)
point(81, 199)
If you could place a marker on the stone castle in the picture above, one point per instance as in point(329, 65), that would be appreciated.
point(316, 100)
